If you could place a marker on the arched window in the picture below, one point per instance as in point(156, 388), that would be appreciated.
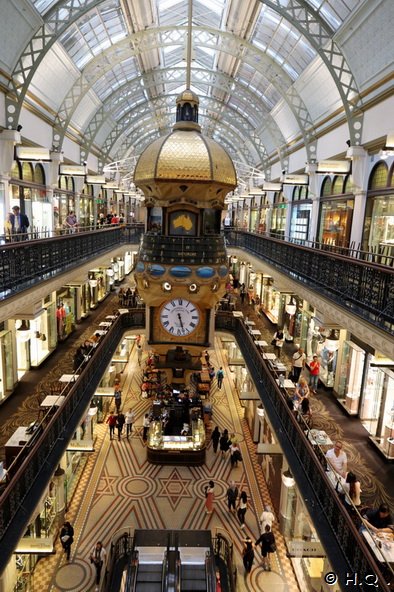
point(70, 184)
point(16, 171)
point(303, 192)
point(39, 174)
point(63, 182)
point(348, 184)
point(296, 194)
point(326, 187)
point(337, 185)
point(27, 172)
point(378, 177)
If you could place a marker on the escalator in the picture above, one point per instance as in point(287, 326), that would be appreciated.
point(193, 577)
point(168, 561)
point(149, 578)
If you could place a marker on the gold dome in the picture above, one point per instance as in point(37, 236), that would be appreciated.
point(185, 165)
point(176, 166)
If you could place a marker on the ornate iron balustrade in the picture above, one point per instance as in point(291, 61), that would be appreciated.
point(362, 287)
point(23, 264)
point(28, 483)
point(189, 250)
point(346, 550)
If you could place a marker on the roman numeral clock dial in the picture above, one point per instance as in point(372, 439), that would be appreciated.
point(179, 317)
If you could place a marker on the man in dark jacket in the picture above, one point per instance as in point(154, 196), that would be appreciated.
point(19, 223)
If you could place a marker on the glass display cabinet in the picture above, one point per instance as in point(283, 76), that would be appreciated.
point(351, 376)
point(177, 449)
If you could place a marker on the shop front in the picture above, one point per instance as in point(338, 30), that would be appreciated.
point(301, 212)
point(8, 374)
point(78, 297)
point(36, 337)
point(99, 285)
point(65, 312)
point(28, 192)
point(278, 217)
point(63, 202)
point(378, 234)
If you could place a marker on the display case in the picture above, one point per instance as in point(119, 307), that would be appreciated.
point(176, 449)
point(351, 376)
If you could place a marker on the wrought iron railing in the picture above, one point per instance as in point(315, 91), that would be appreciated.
point(357, 284)
point(183, 249)
point(27, 484)
point(25, 263)
point(346, 550)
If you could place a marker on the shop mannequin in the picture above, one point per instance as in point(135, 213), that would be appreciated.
point(60, 319)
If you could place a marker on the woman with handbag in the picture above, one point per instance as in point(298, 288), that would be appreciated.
point(268, 546)
point(97, 557)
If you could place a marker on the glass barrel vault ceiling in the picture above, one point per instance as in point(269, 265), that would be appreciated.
point(249, 62)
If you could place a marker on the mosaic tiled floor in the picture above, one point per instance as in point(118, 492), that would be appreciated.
point(119, 489)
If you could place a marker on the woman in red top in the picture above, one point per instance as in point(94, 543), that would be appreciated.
point(314, 369)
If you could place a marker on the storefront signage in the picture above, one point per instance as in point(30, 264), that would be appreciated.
point(80, 446)
point(95, 179)
point(296, 180)
point(272, 186)
point(72, 170)
point(31, 153)
point(34, 545)
point(306, 549)
point(341, 167)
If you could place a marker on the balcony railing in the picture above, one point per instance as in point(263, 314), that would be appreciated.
point(346, 549)
point(25, 263)
point(28, 482)
point(188, 250)
point(354, 282)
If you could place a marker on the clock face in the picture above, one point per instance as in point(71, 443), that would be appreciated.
point(179, 317)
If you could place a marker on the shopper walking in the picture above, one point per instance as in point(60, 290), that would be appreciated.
point(130, 419)
point(98, 556)
point(298, 363)
point(232, 496)
point(242, 507)
point(224, 442)
point(120, 421)
point(209, 497)
point(67, 538)
point(248, 554)
point(268, 546)
point(314, 370)
point(219, 377)
point(111, 421)
point(145, 426)
point(117, 397)
point(235, 455)
point(215, 437)
point(278, 341)
point(267, 517)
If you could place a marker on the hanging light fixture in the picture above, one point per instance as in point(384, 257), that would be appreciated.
point(110, 272)
point(260, 410)
point(23, 331)
point(288, 479)
point(291, 306)
point(332, 341)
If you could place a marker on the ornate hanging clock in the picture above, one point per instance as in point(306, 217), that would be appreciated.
point(180, 317)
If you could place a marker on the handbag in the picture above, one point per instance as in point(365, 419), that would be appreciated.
point(65, 538)
point(272, 548)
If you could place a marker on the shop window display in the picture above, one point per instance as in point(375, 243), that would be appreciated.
point(335, 222)
point(351, 376)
